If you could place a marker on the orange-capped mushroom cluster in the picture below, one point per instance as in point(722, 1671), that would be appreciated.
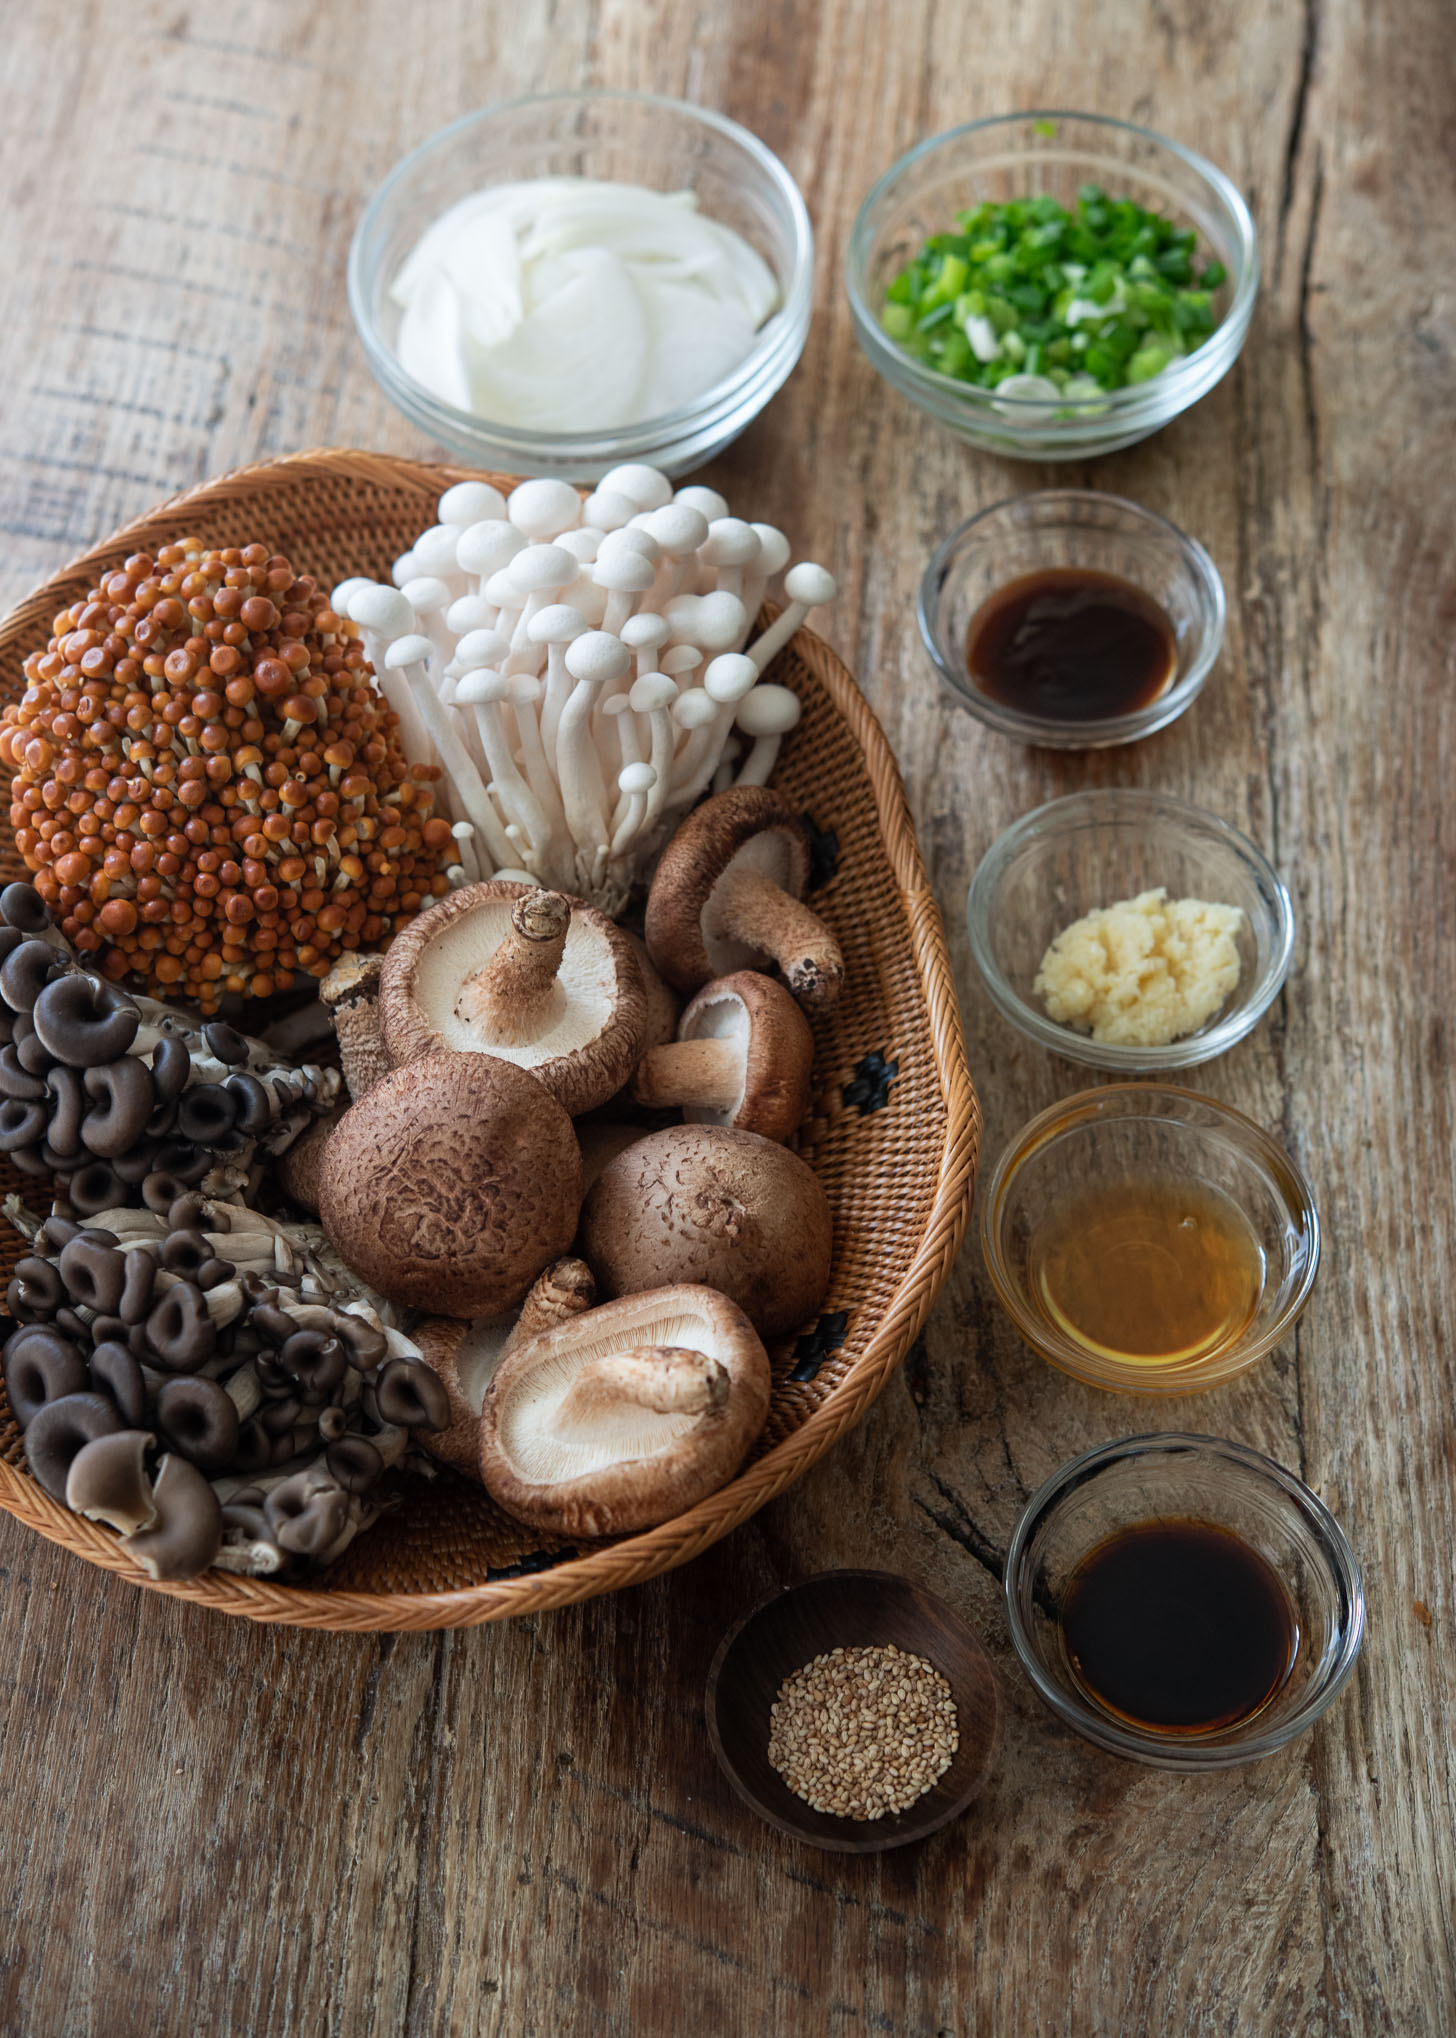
point(209, 789)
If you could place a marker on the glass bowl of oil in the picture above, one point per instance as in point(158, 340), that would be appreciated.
point(1183, 1601)
point(1094, 849)
point(1148, 1239)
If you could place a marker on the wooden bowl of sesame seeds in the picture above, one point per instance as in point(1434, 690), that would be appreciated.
point(854, 1711)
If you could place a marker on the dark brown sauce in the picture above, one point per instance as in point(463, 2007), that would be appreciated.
point(1178, 1625)
point(1070, 645)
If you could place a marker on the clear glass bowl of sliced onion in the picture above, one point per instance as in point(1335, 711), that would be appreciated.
point(537, 347)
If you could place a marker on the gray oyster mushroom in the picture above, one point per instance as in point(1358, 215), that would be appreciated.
point(105, 1089)
point(234, 1348)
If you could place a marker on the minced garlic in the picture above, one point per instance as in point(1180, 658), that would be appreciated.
point(1142, 972)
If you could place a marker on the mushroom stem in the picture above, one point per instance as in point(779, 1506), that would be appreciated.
point(751, 908)
point(351, 993)
point(517, 994)
point(708, 1073)
point(562, 1290)
point(669, 1379)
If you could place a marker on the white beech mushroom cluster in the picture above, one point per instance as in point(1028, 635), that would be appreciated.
point(581, 670)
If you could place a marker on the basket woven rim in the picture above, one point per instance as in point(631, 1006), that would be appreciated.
point(636, 1558)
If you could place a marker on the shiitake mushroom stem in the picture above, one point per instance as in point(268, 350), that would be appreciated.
point(517, 994)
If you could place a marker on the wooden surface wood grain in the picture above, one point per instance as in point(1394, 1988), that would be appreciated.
point(211, 1827)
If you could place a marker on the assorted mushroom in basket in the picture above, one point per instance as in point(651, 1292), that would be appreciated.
point(224, 1383)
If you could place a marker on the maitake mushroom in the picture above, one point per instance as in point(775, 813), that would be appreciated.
point(726, 896)
point(743, 1056)
point(530, 976)
point(465, 1355)
point(626, 1415)
point(705, 1204)
point(451, 1184)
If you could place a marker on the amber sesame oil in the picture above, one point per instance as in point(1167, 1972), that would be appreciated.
point(1154, 1271)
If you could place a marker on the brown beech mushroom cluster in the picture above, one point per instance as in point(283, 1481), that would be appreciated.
point(728, 1210)
point(743, 1056)
point(451, 1184)
point(110, 1092)
point(235, 1350)
point(528, 976)
point(727, 895)
point(625, 1415)
point(207, 782)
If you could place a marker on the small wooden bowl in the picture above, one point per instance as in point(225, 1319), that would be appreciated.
point(848, 1609)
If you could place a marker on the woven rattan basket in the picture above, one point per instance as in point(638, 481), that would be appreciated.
point(892, 1132)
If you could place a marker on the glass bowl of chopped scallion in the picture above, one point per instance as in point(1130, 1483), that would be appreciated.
point(1053, 285)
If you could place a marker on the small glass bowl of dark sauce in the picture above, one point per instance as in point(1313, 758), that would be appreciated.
point(1072, 619)
point(1183, 1601)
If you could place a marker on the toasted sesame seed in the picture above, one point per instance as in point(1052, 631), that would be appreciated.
point(860, 1733)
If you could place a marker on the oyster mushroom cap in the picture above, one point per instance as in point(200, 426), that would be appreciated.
point(743, 1056)
point(533, 977)
point(726, 896)
point(108, 1480)
point(187, 1532)
point(626, 1415)
point(466, 1355)
point(451, 1184)
point(707, 1204)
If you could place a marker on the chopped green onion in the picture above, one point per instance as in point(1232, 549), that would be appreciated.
point(1091, 298)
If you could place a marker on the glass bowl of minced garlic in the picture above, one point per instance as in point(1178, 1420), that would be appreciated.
point(1130, 931)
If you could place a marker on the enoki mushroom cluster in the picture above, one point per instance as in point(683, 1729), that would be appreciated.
point(581, 671)
point(235, 1349)
point(207, 786)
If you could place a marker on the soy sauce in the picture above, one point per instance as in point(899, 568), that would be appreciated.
point(1178, 1625)
point(1070, 645)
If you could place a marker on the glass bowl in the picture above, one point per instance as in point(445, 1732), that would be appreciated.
point(1092, 849)
point(1072, 527)
point(638, 138)
point(1206, 1479)
point(1100, 1140)
point(1025, 155)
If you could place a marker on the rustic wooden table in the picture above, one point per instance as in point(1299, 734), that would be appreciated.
point(212, 1827)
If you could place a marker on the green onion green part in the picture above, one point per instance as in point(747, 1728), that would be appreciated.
point(1100, 297)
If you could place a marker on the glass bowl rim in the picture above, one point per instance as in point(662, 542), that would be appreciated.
point(1107, 730)
point(455, 425)
point(1069, 1357)
point(1164, 1750)
point(1115, 407)
point(1113, 1056)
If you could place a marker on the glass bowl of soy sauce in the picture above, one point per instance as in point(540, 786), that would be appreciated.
point(1183, 1601)
point(1071, 619)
